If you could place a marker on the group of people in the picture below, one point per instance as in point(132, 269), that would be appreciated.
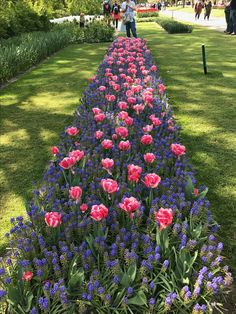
point(230, 13)
point(230, 17)
point(199, 6)
point(125, 12)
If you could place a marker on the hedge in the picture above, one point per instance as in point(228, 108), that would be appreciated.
point(174, 27)
point(19, 53)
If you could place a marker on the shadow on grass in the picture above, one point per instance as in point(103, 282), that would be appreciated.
point(205, 109)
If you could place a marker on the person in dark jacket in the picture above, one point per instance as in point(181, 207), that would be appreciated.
point(208, 7)
point(233, 16)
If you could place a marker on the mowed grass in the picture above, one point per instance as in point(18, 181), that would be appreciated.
point(214, 12)
point(205, 107)
point(34, 111)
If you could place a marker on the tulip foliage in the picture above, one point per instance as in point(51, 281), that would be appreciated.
point(119, 225)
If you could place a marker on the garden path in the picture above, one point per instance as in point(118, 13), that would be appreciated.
point(215, 23)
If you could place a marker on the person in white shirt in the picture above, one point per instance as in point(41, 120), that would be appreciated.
point(128, 8)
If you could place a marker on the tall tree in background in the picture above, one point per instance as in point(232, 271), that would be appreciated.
point(56, 8)
point(75, 7)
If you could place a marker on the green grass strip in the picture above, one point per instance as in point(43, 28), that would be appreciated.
point(34, 110)
point(205, 107)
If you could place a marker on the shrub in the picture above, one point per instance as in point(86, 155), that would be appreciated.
point(120, 224)
point(17, 54)
point(174, 27)
point(98, 32)
point(147, 14)
point(18, 17)
point(146, 19)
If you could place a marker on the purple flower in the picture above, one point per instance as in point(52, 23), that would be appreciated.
point(43, 303)
point(152, 301)
point(101, 290)
point(152, 285)
point(34, 311)
point(7, 280)
point(84, 296)
point(165, 264)
point(116, 280)
point(196, 291)
point(2, 294)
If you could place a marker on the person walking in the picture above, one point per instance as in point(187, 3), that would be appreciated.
point(81, 20)
point(198, 9)
point(107, 11)
point(116, 14)
point(128, 8)
point(233, 16)
point(208, 7)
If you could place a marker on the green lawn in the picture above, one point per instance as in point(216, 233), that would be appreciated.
point(34, 111)
point(205, 107)
point(189, 9)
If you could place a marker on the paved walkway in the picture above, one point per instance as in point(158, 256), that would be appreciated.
point(215, 23)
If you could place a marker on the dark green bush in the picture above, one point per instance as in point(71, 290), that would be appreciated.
point(98, 31)
point(174, 27)
point(147, 14)
point(146, 19)
point(18, 17)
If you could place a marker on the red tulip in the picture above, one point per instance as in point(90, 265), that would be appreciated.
point(27, 276)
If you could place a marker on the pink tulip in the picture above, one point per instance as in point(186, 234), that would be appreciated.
point(73, 131)
point(178, 149)
point(75, 192)
point(110, 186)
point(53, 219)
point(152, 180)
point(99, 212)
point(164, 216)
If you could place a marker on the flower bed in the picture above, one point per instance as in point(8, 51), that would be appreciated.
point(119, 224)
point(147, 10)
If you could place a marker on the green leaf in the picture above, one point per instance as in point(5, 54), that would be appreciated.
point(90, 240)
point(202, 194)
point(158, 240)
point(139, 299)
point(77, 278)
point(14, 295)
point(132, 272)
point(125, 280)
point(189, 188)
point(29, 300)
point(164, 240)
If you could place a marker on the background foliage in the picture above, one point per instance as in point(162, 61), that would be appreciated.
point(21, 16)
point(18, 17)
